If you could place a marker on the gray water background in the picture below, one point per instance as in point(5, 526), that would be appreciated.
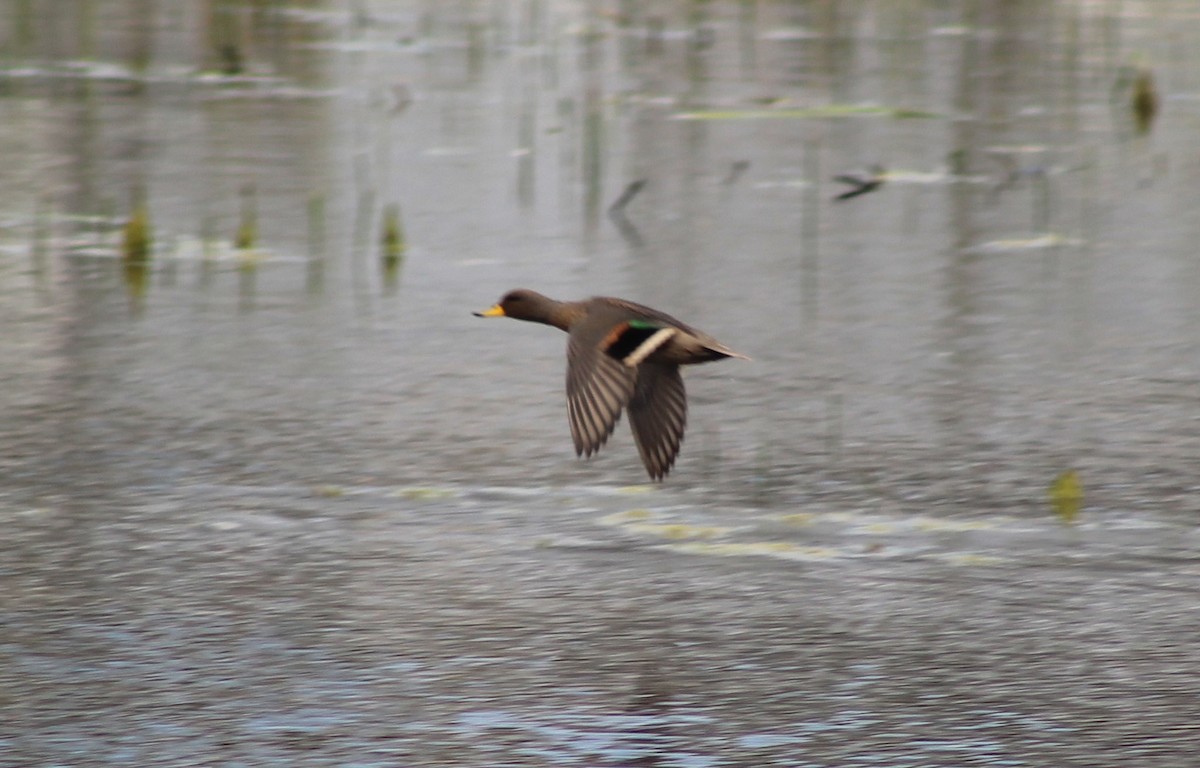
point(285, 506)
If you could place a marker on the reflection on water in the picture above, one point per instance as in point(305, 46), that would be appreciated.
point(271, 496)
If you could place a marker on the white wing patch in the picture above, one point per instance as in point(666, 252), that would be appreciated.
point(647, 347)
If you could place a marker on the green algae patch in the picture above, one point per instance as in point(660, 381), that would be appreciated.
point(679, 530)
point(628, 516)
point(1066, 496)
point(421, 493)
point(779, 549)
point(329, 491)
point(799, 519)
point(974, 559)
point(635, 490)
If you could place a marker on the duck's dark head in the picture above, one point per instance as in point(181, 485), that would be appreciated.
point(524, 304)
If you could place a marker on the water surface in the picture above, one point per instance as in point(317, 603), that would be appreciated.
point(286, 506)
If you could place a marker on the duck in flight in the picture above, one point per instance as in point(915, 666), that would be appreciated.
point(621, 356)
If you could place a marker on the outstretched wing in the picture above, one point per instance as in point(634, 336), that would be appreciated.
point(598, 387)
point(658, 416)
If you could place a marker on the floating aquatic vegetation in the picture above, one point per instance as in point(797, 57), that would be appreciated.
point(138, 237)
point(136, 246)
point(642, 522)
point(934, 524)
point(1066, 495)
point(1134, 96)
point(1018, 244)
point(780, 549)
point(634, 490)
point(329, 491)
point(679, 530)
point(827, 111)
point(137, 277)
point(1145, 100)
point(423, 493)
point(393, 245)
point(212, 251)
point(798, 518)
point(392, 241)
point(972, 559)
point(247, 231)
point(631, 515)
point(231, 60)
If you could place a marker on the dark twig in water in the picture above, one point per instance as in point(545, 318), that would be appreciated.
point(735, 172)
point(861, 184)
point(629, 233)
point(630, 192)
point(616, 214)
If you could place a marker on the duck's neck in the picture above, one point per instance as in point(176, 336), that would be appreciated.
point(560, 314)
